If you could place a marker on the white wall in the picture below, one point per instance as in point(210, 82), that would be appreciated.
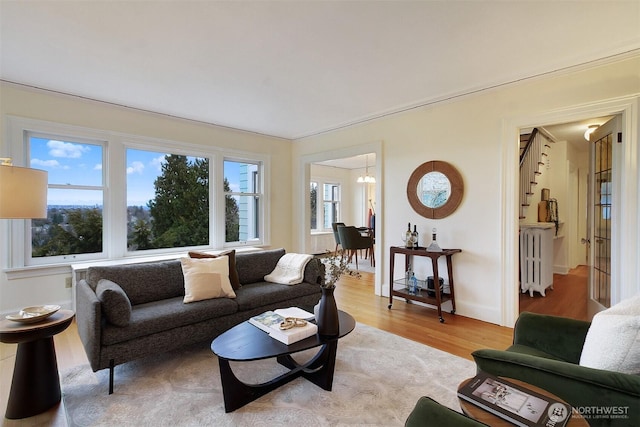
point(468, 132)
point(576, 228)
point(46, 106)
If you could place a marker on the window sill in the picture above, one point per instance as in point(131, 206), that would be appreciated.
point(50, 269)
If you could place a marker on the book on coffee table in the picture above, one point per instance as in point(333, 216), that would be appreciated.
point(269, 322)
point(516, 404)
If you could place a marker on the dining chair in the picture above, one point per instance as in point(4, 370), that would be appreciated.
point(351, 240)
point(336, 236)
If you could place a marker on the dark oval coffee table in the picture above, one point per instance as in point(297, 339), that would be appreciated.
point(245, 342)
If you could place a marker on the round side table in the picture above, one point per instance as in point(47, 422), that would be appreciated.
point(35, 386)
point(479, 414)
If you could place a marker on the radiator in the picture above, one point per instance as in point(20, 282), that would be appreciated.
point(536, 259)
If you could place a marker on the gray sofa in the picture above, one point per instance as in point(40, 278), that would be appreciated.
point(159, 320)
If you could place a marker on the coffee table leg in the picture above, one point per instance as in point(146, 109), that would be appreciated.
point(36, 385)
point(319, 370)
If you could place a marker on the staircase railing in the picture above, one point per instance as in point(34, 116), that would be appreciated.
point(530, 162)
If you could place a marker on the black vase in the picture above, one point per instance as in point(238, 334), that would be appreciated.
point(328, 320)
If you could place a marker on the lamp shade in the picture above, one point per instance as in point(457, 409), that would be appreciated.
point(23, 192)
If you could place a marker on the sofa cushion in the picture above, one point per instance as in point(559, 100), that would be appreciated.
point(144, 282)
point(253, 266)
point(206, 278)
point(260, 294)
point(164, 315)
point(114, 301)
point(613, 339)
point(233, 270)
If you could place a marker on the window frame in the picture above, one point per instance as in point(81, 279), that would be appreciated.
point(115, 198)
point(317, 216)
point(163, 148)
point(29, 259)
point(260, 220)
point(320, 217)
point(336, 205)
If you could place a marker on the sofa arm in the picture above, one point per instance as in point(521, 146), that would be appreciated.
point(560, 337)
point(583, 388)
point(89, 321)
point(314, 272)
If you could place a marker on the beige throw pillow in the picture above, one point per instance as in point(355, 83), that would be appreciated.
point(613, 339)
point(206, 278)
point(233, 271)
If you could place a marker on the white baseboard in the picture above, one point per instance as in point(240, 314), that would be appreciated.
point(560, 269)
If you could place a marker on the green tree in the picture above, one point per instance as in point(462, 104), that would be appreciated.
point(232, 215)
point(87, 228)
point(141, 235)
point(81, 235)
point(180, 209)
point(314, 205)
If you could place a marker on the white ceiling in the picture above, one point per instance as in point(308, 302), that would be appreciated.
point(292, 68)
point(573, 132)
point(361, 161)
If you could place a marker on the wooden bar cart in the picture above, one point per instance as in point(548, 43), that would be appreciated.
point(423, 295)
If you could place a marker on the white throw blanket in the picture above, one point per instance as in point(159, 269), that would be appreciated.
point(289, 270)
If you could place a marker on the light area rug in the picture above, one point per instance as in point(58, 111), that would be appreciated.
point(378, 379)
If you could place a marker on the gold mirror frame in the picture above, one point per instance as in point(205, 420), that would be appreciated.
point(457, 189)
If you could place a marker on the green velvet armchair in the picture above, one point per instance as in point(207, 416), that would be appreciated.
point(546, 351)
point(428, 412)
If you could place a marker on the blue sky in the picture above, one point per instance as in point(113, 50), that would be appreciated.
point(81, 164)
point(143, 167)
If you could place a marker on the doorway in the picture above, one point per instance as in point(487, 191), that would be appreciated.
point(573, 175)
point(357, 199)
point(343, 191)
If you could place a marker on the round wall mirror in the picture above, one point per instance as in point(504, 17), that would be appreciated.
point(435, 189)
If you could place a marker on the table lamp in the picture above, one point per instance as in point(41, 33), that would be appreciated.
point(23, 192)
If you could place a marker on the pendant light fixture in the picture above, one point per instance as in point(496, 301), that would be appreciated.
point(366, 179)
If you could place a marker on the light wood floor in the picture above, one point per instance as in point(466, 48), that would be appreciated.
point(568, 298)
point(458, 335)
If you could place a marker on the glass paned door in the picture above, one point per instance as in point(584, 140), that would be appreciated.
point(601, 212)
point(601, 291)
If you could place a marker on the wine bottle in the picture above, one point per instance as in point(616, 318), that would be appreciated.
point(408, 241)
point(414, 235)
